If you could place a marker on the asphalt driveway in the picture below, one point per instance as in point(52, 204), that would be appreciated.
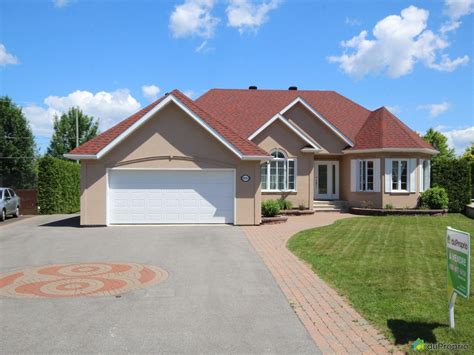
point(219, 296)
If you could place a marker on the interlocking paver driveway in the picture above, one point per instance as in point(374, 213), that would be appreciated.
point(219, 297)
point(333, 324)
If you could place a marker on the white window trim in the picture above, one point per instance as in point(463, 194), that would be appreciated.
point(399, 182)
point(360, 161)
point(287, 168)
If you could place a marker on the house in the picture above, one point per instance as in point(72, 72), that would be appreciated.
point(214, 159)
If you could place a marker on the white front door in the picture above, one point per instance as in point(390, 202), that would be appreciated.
point(326, 180)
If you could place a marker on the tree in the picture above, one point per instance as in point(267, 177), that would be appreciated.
point(64, 132)
point(440, 143)
point(17, 147)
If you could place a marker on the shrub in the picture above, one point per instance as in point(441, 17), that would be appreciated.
point(301, 207)
point(270, 208)
point(285, 204)
point(389, 206)
point(58, 186)
point(454, 175)
point(434, 198)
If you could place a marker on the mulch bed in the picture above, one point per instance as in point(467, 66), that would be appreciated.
point(396, 212)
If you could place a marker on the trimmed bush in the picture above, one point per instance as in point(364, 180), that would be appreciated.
point(434, 198)
point(270, 208)
point(58, 186)
point(454, 175)
point(285, 204)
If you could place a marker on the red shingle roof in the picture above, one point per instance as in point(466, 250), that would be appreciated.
point(383, 130)
point(236, 114)
point(247, 110)
point(98, 143)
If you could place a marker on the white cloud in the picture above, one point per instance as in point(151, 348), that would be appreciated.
point(41, 119)
point(399, 43)
point(352, 21)
point(247, 15)
point(458, 138)
point(60, 3)
point(204, 48)
point(395, 109)
point(456, 9)
point(435, 109)
point(449, 27)
point(189, 93)
point(109, 107)
point(6, 58)
point(193, 18)
point(150, 92)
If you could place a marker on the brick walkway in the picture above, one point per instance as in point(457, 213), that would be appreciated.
point(332, 323)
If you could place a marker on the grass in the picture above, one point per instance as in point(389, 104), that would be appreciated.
point(393, 271)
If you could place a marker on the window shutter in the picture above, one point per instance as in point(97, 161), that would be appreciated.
point(388, 175)
point(412, 166)
point(421, 175)
point(354, 174)
point(428, 174)
point(377, 176)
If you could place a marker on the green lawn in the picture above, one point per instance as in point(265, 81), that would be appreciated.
point(393, 271)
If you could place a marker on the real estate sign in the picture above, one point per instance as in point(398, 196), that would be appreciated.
point(459, 253)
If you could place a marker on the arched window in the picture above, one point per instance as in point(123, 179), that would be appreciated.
point(279, 174)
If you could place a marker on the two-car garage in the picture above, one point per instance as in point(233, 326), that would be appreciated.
point(139, 196)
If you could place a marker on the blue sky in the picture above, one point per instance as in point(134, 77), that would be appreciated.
point(113, 57)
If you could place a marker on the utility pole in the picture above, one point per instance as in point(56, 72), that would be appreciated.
point(77, 130)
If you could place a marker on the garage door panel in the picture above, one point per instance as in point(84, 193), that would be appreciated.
point(162, 196)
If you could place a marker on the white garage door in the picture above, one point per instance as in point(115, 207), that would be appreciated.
point(170, 196)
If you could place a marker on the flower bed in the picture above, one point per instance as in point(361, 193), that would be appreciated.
point(295, 212)
point(391, 212)
point(274, 220)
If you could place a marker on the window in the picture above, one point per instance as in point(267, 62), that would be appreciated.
point(366, 175)
point(425, 175)
point(399, 175)
point(279, 174)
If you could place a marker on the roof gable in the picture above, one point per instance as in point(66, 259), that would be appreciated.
point(247, 110)
point(279, 118)
point(100, 145)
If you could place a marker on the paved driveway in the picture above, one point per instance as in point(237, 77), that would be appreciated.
point(219, 296)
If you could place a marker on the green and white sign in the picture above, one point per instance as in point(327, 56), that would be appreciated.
point(459, 253)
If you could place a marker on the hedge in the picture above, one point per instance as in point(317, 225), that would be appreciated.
point(58, 186)
point(454, 175)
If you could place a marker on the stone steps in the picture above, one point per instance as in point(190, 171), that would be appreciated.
point(330, 206)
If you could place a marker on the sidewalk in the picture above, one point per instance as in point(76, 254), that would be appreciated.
point(332, 323)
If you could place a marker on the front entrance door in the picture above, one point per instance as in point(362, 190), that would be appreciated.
point(326, 180)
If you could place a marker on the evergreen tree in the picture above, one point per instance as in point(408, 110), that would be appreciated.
point(64, 132)
point(17, 147)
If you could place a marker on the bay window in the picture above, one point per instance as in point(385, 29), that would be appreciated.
point(279, 174)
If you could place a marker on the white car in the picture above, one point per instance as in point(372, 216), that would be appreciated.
point(9, 203)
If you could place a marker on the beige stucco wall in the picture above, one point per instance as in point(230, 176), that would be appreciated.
point(322, 134)
point(279, 136)
point(379, 199)
point(170, 140)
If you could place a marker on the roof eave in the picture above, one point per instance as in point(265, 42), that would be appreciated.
point(392, 150)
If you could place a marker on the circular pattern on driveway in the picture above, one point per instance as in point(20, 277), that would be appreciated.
point(75, 280)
